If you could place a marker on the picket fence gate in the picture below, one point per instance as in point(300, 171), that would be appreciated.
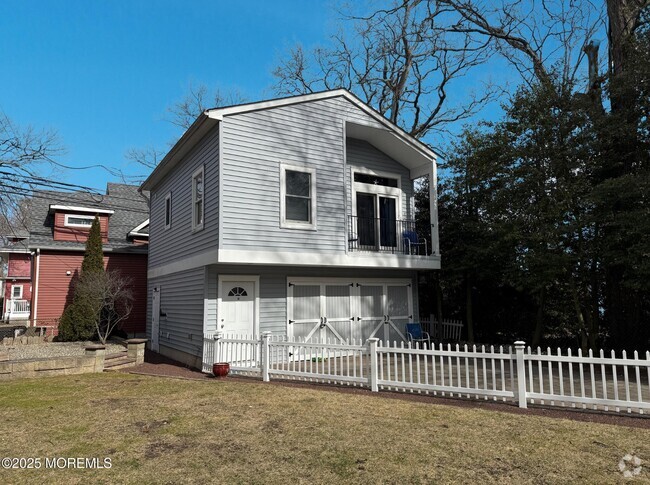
point(606, 383)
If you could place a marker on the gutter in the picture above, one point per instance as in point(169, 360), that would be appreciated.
point(35, 292)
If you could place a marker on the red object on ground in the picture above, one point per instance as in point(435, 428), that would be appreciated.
point(221, 369)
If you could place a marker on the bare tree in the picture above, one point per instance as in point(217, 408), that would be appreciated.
point(542, 39)
point(399, 60)
point(110, 299)
point(23, 153)
point(180, 114)
point(198, 99)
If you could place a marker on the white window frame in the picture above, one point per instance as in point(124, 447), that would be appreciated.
point(197, 227)
point(14, 297)
point(78, 216)
point(168, 198)
point(383, 190)
point(288, 223)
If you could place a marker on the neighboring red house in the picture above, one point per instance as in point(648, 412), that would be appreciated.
point(43, 262)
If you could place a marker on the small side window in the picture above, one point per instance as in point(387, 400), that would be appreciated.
point(168, 211)
point(17, 292)
point(198, 206)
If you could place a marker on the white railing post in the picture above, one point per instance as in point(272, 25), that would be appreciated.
point(521, 373)
point(374, 371)
point(266, 339)
point(217, 345)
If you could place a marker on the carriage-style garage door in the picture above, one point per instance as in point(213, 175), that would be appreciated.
point(348, 309)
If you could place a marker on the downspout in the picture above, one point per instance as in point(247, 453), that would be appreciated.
point(35, 288)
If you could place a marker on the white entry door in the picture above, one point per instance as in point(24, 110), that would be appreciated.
point(155, 318)
point(237, 308)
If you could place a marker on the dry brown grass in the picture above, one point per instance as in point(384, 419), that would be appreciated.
point(160, 430)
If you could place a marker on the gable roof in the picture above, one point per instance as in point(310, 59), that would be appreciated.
point(126, 206)
point(392, 140)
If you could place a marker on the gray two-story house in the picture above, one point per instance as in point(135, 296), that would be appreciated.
point(294, 216)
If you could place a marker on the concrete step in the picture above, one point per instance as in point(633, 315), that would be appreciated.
point(117, 355)
point(116, 363)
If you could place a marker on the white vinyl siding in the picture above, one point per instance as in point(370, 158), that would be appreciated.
point(178, 242)
point(309, 135)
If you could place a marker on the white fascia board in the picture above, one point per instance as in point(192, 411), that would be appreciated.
point(136, 230)
point(288, 258)
point(73, 208)
point(142, 234)
point(14, 251)
point(350, 260)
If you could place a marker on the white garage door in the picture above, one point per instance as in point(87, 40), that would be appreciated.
point(345, 309)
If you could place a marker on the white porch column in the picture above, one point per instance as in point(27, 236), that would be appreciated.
point(433, 208)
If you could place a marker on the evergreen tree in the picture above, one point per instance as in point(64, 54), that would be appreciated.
point(94, 255)
point(79, 319)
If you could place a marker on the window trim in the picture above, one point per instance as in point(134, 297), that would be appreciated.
point(198, 227)
point(288, 223)
point(168, 197)
point(78, 216)
point(13, 297)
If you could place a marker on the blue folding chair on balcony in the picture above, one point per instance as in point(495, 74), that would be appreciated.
point(415, 334)
point(413, 243)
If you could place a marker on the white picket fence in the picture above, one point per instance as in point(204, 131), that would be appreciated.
point(447, 330)
point(553, 379)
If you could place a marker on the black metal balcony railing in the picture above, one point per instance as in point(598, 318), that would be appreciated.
point(386, 236)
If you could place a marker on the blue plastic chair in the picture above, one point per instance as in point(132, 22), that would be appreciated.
point(412, 243)
point(414, 333)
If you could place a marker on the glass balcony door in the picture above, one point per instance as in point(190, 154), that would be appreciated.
point(376, 221)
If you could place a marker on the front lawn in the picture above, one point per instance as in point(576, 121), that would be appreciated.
point(161, 430)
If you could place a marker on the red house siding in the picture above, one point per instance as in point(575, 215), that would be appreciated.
point(76, 234)
point(55, 292)
point(20, 264)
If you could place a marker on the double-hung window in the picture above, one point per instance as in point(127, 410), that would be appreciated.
point(17, 292)
point(198, 203)
point(297, 197)
point(168, 211)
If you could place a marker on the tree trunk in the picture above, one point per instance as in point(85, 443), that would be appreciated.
point(623, 16)
point(539, 319)
point(469, 309)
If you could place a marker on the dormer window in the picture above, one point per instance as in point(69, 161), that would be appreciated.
point(78, 220)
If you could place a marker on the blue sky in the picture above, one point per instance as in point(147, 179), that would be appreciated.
point(103, 73)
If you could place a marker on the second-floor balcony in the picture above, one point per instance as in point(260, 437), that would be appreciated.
point(386, 235)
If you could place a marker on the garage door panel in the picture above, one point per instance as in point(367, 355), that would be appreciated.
point(334, 312)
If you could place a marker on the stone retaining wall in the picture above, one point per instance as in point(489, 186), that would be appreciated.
point(93, 361)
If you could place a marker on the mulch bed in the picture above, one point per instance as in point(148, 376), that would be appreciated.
point(159, 365)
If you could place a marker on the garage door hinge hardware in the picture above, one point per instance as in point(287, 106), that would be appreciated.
point(358, 285)
point(291, 284)
point(351, 284)
point(409, 285)
point(358, 318)
point(411, 317)
point(291, 321)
